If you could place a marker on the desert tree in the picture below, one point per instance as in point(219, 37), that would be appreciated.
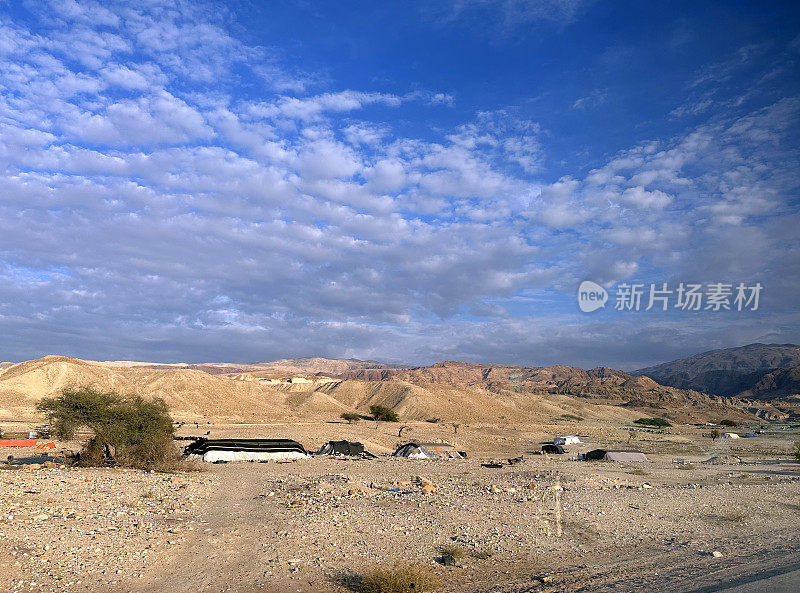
point(125, 430)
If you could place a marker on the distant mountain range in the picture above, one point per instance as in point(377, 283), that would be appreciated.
point(755, 371)
point(321, 389)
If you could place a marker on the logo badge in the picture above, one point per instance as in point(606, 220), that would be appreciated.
point(591, 296)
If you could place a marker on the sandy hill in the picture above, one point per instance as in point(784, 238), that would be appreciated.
point(450, 392)
point(189, 393)
point(729, 372)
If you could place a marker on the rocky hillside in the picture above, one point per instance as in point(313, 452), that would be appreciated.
point(601, 383)
point(733, 371)
point(447, 392)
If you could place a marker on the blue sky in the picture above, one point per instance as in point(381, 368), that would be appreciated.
point(194, 181)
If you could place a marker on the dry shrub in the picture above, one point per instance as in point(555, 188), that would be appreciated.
point(399, 578)
point(458, 551)
point(731, 516)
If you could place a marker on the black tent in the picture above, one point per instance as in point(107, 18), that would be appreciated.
point(345, 448)
point(558, 449)
point(609, 455)
point(246, 449)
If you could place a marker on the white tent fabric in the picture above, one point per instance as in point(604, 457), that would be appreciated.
point(567, 440)
point(730, 435)
point(217, 455)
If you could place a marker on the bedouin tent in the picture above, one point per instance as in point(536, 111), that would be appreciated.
point(606, 455)
point(345, 448)
point(570, 440)
point(212, 450)
point(558, 449)
point(427, 451)
point(729, 435)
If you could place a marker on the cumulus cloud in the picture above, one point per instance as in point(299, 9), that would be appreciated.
point(145, 211)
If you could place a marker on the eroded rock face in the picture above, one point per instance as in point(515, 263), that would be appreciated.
point(598, 383)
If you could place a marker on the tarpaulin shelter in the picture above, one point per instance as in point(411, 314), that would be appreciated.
point(212, 450)
point(428, 451)
point(568, 440)
point(345, 448)
point(17, 442)
point(557, 449)
point(606, 455)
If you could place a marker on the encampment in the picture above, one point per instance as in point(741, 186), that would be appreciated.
point(606, 455)
point(729, 435)
point(557, 449)
point(428, 451)
point(345, 448)
point(568, 440)
point(212, 450)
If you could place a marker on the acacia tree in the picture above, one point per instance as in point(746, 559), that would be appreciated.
point(126, 430)
point(379, 413)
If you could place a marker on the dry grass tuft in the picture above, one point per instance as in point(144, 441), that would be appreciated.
point(399, 578)
point(457, 551)
point(732, 516)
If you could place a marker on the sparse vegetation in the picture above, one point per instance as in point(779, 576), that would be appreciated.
point(455, 550)
point(399, 578)
point(797, 451)
point(459, 552)
point(571, 417)
point(126, 430)
point(379, 413)
point(732, 516)
point(434, 420)
point(350, 417)
point(727, 422)
point(657, 422)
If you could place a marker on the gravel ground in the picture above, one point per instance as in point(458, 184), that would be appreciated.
point(546, 524)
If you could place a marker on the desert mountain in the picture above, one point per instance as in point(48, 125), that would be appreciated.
point(732, 371)
point(452, 392)
point(601, 383)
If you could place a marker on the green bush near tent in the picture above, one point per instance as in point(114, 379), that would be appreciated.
point(127, 431)
point(350, 417)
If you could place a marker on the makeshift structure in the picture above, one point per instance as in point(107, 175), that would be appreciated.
point(17, 442)
point(428, 451)
point(570, 440)
point(345, 448)
point(557, 449)
point(729, 435)
point(212, 450)
point(606, 455)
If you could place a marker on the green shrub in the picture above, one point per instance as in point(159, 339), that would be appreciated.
point(727, 422)
point(658, 422)
point(350, 417)
point(384, 414)
point(126, 430)
point(399, 578)
point(572, 417)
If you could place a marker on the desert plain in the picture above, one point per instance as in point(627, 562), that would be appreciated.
point(701, 514)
